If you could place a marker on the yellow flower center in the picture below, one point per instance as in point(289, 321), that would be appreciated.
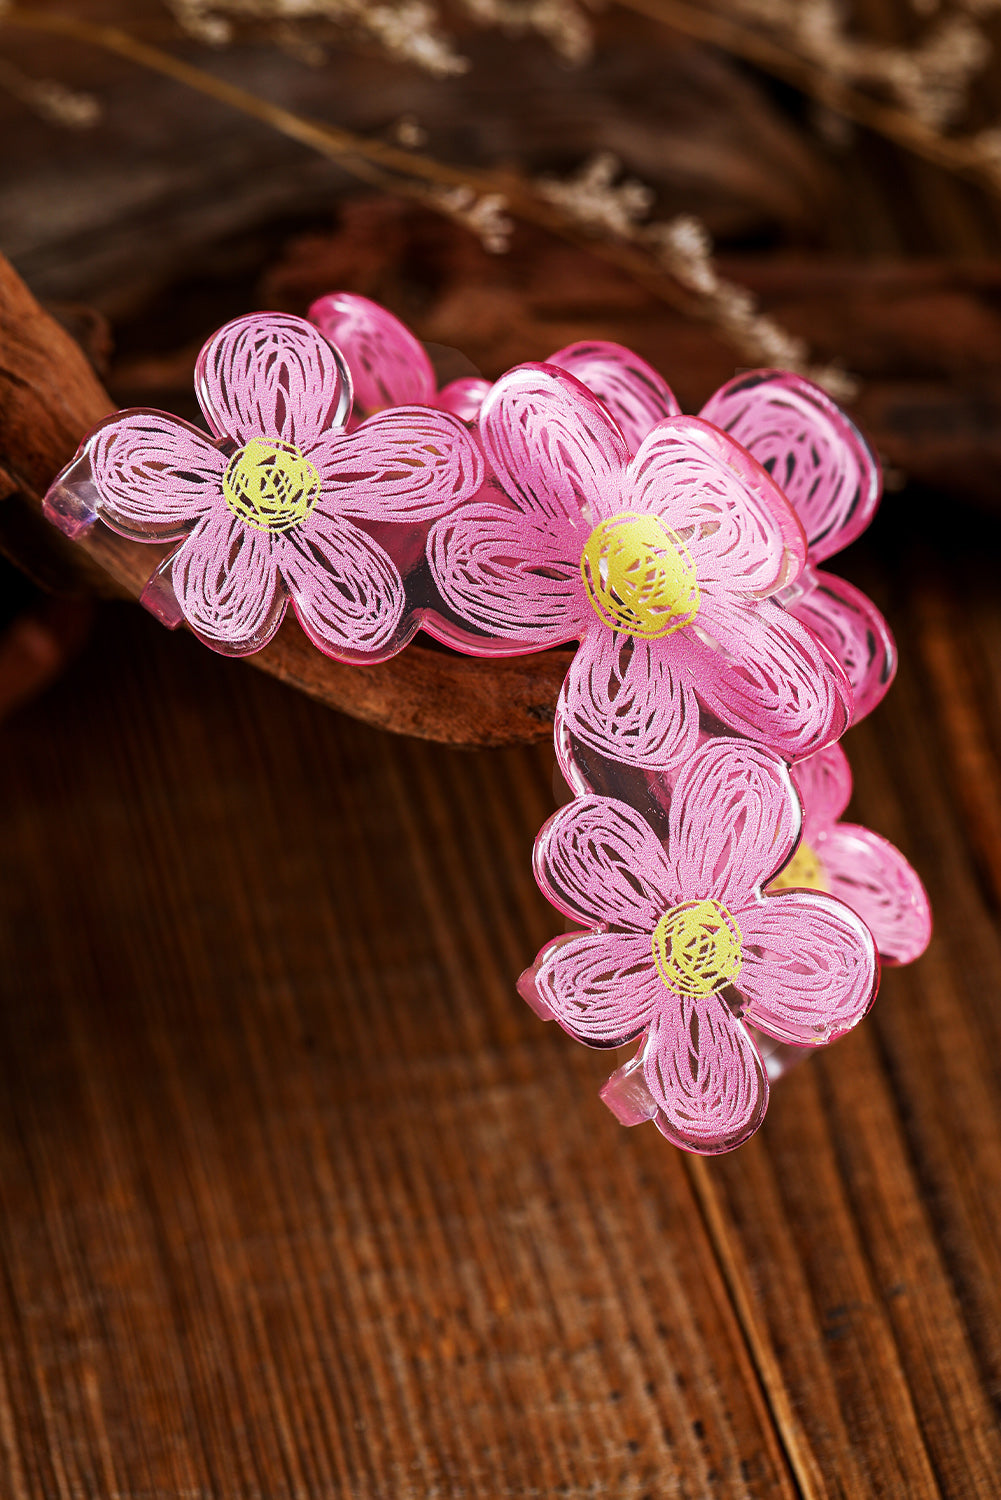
point(270, 486)
point(639, 576)
point(697, 948)
point(804, 870)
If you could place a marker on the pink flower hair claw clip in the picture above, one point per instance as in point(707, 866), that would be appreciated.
point(684, 950)
point(280, 502)
point(663, 565)
point(860, 867)
point(714, 670)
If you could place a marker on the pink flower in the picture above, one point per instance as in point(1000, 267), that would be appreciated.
point(281, 503)
point(685, 951)
point(389, 367)
point(822, 464)
point(818, 457)
point(662, 565)
point(855, 864)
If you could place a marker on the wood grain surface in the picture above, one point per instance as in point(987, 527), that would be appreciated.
point(298, 1199)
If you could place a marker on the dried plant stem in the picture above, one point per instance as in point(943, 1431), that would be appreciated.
point(963, 156)
point(374, 161)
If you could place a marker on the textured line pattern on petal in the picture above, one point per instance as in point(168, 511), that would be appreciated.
point(511, 575)
point(810, 967)
point(274, 376)
point(770, 679)
point(599, 862)
point(705, 1076)
point(408, 464)
point(824, 783)
point(739, 528)
point(854, 631)
point(626, 699)
point(601, 987)
point(553, 446)
point(875, 880)
point(155, 474)
point(346, 591)
point(734, 819)
point(809, 446)
point(635, 394)
point(225, 579)
point(389, 367)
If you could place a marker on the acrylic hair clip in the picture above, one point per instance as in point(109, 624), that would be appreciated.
point(727, 915)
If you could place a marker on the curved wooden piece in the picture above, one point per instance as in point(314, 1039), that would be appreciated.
point(50, 398)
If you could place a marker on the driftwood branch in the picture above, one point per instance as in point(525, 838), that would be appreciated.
point(50, 398)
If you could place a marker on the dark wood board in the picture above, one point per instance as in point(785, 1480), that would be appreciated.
point(299, 1199)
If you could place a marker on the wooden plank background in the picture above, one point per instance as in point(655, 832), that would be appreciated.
point(299, 1199)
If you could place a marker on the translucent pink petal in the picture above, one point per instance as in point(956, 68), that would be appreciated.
point(627, 700)
point(274, 376)
point(635, 394)
point(408, 464)
point(809, 446)
point(740, 530)
point(810, 969)
point(225, 579)
point(553, 446)
point(855, 633)
point(389, 367)
point(875, 880)
point(464, 397)
point(513, 575)
point(346, 591)
point(705, 1076)
point(154, 473)
point(733, 822)
point(824, 784)
point(601, 987)
point(768, 678)
point(599, 862)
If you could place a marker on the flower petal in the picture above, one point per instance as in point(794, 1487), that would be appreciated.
point(464, 397)
point(599, 862)
point(553, 446)
point(225, 579)
point(389, 367)
point(855, 633)
point(810, 969)
point(733, 822)
point(274, 376)
point(346, 591)
point(872, 877)
point(635, 394)
point(824, 784)
point(626, 699)
point(511, 574)
point(705, 1075)
point(768, 678)
point(811, 449)
point(405, 465)
point(601, 987)
point(154, 473)
point(739, 528)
